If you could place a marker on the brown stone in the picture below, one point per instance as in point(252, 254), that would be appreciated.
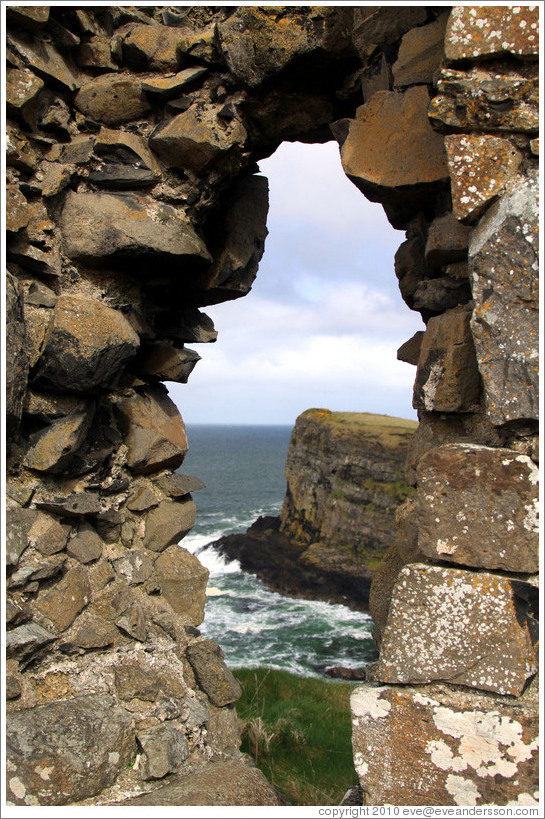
point(478, 506)
point(227, 782)
point(164, 750)
point(47, 534)
point(141, 497)
point(17, 213)
point(128, 230)
point(87, 347)
point(33, 570)
point(17, 360)
point(455, 626)
point(420, 53)
point(168, 523)
point(447, 242)
point(382, 25)
point(391, 147)
point(91, 631)
point(32, 18)
point(410, 350)
point(170, 85)
point(505, 325)
point(484, 100)
point(153, 48)
point(154, 431)
point(74, 505)
point(437, 745)
point(183, 582)
point(19, 153)
point(215, 679)
point(86, 546)
point(113, 99)
point(22, 89)
point(18, 525)
point(162, 360)
point(38, 327)
point(63, 602)
point(42, 56)
point(480, 168)
point(447, 378)
point(52, 449)
point(196, 138)
point(434, 296)
point(110, 143)
point(176, 485)
point(54, 177)
point(486, 31)
point(95, 55)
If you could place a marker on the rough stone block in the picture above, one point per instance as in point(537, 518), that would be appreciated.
point(194, 139)
point(17, 211)
point(447, 378)
point(382, 25)
point(162, 360)
point(227, 782)
point(183, 582)
point(66, 751)
point(478, 506)
point(238, 244)
point(392, 153)
point(480, 167)
point(53, 448)
point(475, 32)
point(87, 347)
point(45, 59)
point(154, 431)
point(113, 99)
point(447, 242)
point(505, 326)
point(114, 229)
point(134, 568)
point(455, 626)
point(213, 676)
point(436, 745)
point(420, 53)
point(63, 602)
point(164, 750)
point(86, 546)
point(16, 363)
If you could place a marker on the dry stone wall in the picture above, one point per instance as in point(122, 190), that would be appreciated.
point(132, 202)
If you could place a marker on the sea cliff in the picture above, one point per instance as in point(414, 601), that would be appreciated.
point(344, 473)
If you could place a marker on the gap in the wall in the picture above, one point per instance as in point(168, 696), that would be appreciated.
point(324, 319)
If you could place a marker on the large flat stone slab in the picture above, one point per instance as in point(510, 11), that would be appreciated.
point(455, 626)
point(504, 267)
point(479, 506)
point(65, 751)
point(436, 745)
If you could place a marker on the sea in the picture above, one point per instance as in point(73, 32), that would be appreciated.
point(242, 468)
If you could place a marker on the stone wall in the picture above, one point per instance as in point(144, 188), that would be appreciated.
point(132, 202)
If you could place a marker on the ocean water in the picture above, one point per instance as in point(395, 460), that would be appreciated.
point(243, 469)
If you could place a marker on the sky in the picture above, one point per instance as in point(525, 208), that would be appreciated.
point(324, 319)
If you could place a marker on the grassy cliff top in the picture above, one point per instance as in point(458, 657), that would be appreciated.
point(387, 429)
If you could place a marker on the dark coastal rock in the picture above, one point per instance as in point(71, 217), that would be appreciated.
point(75, 505)
point(25, 640)
point(176, 485)
point(44, 59)
point(47, 534)
point(206, 659)
point(19, 523)
point(17, 212)
point(382, 25)
point(164, 361)
point(420, 53)
point(65, 751)
point(86, 546)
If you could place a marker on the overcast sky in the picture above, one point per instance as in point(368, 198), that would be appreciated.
point(323, 321)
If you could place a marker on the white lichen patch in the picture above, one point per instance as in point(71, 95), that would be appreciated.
point(366, 702)
point(463, 791)
point(17, 787)
point(360, 765)
point(488, 743)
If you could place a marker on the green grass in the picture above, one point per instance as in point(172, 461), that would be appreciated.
point(299, 732)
